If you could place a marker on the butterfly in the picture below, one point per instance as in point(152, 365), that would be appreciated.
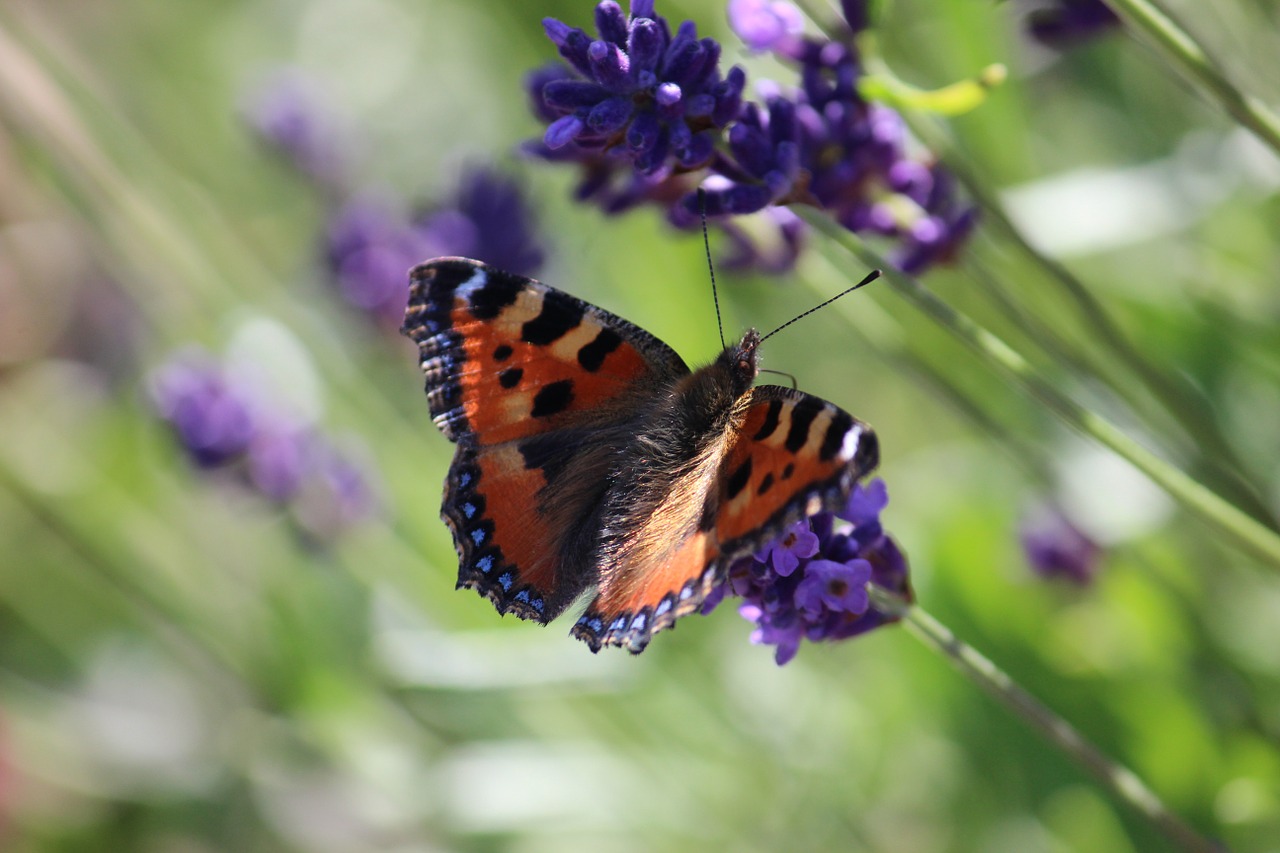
point(589, 457)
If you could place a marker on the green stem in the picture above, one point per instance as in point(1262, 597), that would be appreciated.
point(1121, 781)
point(1186, 403)
point(1184, 437)
point(1177, 46)
point(1208, 506)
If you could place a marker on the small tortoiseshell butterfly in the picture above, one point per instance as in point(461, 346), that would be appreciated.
point(589, 456)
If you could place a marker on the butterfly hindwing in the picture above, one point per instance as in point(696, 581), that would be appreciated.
point(534, 386)
point(786, 455)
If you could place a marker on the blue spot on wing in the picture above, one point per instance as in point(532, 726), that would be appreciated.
point(477, 536)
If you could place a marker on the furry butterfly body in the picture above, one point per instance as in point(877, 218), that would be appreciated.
point(590, 457)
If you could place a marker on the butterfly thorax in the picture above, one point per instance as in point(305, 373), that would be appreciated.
point(702, 404)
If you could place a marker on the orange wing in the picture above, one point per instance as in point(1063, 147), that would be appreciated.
point(507, 357)
point(535, 387)
point(787, 456)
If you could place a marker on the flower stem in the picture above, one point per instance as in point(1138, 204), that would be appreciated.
point(1180, 398)
point(1176, 45)
point(1121, 781)
point(1207, 505)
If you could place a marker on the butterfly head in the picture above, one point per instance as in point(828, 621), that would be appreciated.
point(739, 360)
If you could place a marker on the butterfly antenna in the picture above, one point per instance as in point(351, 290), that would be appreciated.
point(871, 276)
point(794, 386)
point(706, 243)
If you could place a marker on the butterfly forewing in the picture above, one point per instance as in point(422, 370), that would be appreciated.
point(534, 385)
point(506, 356)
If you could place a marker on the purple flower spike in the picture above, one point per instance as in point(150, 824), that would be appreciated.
point(840, 587)
point(339, 495)
point(855, 14)
point(648, 117)
point(278, 461)
point(226, 423)
point(207, 409)
point(287, 112)
point(370, 248)
point(371, 245)
point(866, 503)
point(642, 95)
point(765, 24)
point(1056, 548)
point(498, 224)
point(1063, 23)
point(785, 553)
point(811, 583)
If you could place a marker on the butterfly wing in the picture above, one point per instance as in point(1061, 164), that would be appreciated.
point(786, 455)
point(536, 388)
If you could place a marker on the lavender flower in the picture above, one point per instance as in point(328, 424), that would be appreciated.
point(370, 247)
point(1062, 23)
point(765, 24)
point(338, 492)
point(648, 130)
point(812, 582)
point(1056, 548)
point(652, 97)
point(785, 553)
point(288, 114)
point(209, 413)
point(489, 219)
point(371, 244)
point(224, 423)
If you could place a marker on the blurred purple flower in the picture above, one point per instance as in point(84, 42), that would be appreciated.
point(1062, 23)
point(488, 219)
point(208, 411)
point(288, 113)
point(765, 24)
point(278, 460)
point(774, 251)
point(338, 492)
point(823, 597)
point(225, 423)
point(856, 14)
point(371, 245)
point(1056, 548)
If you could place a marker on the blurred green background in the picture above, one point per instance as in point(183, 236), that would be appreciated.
point(182, 668)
